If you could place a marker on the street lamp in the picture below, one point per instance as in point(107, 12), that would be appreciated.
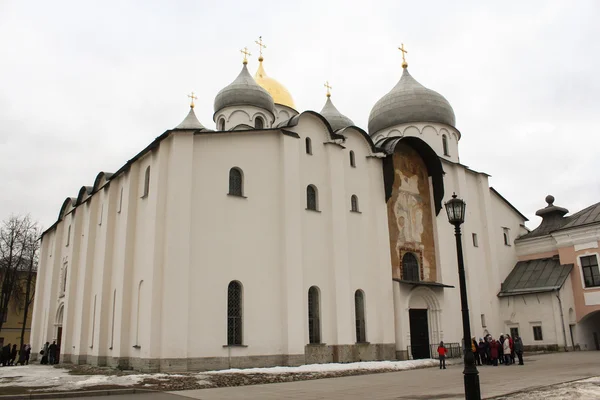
point(455, 208)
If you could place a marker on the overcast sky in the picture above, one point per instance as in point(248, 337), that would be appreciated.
point(84, 85)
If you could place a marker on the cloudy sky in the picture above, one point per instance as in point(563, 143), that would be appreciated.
point(85, 85)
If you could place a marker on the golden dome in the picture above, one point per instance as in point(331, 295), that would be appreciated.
point(279, 93)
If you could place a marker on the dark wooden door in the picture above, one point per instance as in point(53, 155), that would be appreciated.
point(58, 343)
point(419, 333)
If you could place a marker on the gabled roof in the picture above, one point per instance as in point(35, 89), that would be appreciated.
point(535, 276)
point(586, 216)
point(508, 203)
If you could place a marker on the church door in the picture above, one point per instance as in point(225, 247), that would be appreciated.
point(419, 333)
point(58, 342)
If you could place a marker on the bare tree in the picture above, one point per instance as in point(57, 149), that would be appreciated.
point(19, 245)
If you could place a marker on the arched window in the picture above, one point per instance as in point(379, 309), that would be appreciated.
point(259, 123)
point(236, 182)
point(410, 268)
point(354, 203)
point(64, 282)
point(314, 315)
point(308, 143)
point(359, 315)
point(311, 198)
point(234, 313)
point(222, 124)
point(352, 160)
point(68, 235)
point(146, 182)
point(445, 145)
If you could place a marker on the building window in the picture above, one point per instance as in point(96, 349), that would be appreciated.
point(69, 235)
point(311, 198)
point(445, 145)
point(537, 333)
point(506, 236)
point(146, 183)
point(259, 123)
point(359, 313)
point(410, 268)
point(101, 214)
point(222, 124)
point(64, 282)
point(314, 313)
point(308, 145)
point(352, 159)
point(120, 200)
point(483, 325)
point(236, 182)
point(514, 332)
point(475, 241)
point(591, 273)
point(234, 313)
point(354, 203)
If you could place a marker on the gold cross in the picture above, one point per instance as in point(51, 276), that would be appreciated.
point(328, 88)
point(404, 63)
point(246, 53)
point(191, 96)
point(261, 46)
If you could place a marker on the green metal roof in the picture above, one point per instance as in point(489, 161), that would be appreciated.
point(535, 276)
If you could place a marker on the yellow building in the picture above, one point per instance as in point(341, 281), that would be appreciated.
point(13, 321)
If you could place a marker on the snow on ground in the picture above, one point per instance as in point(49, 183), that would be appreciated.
point(586, 389)
point(38, 376)
point(316, 368)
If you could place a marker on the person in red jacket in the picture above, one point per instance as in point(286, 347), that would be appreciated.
point(442, 355)
point(494, 351)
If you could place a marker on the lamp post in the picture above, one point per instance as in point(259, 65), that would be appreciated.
point(455, 208)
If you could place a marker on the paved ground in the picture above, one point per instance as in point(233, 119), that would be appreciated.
point(430, 383)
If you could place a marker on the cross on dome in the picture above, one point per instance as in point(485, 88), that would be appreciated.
point(328, 88)
point(261, 46)
point(401, 48)
point(246, 53)
point(192, 98)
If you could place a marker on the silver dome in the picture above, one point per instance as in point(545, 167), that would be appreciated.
point(244, 91)
point(336, 119)
point(409, 101)
point(190, 122)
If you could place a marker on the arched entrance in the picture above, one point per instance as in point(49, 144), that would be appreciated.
point(58, 329)
point(424, 318)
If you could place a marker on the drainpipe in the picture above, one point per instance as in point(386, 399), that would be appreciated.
point(562, 319)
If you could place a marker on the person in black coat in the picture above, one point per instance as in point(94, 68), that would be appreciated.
point(13, 354)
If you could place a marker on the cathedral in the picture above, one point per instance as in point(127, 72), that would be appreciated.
point(279, 238)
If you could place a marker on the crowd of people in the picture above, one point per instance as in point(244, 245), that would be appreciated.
point(489, 351)
point(8, 355)
point(50, 353)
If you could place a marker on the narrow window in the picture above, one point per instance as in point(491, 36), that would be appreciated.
point(445, 145)
point(64, 282)
point(93, 324)
point(308, 145)
point(354, 203)
point(352, 159)
point(483, 325)
point(314, 313)
point(359, 313)
point(101, 214)
point(537, 333)
point(69, 235)
point(506, 237)
point(311, 198)
point(410, 268)
point(112, 326)
point(234, 313)
point(120, 200)
point(222, 124)
point(591, 273)
point(475, 241)
point(146, 182)
point(235, 182)
point(137, 319)
point(259, 123)
point(514, 332)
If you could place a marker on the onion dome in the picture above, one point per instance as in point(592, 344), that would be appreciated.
point(409, 101)
point(190, 121)
point(279, 92)
point(336, 119)
point(244, 91)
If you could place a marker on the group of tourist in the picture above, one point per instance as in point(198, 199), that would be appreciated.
point(8, 355)
point(50, 353)
point(489, 351)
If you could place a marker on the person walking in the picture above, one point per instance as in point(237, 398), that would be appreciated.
point(52, 353)
point(512, 349)
point(442, 351)
point(494, 351)
point(21, 359)
point(13, 354)
point(27, 354)
point(519, 349)
point(475, 350)
point(482, 353)
point(5, 355)
point(44, 354)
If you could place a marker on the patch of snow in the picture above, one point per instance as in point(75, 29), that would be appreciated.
point(586, 389)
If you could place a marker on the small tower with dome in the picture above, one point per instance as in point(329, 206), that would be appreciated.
point(336, 119)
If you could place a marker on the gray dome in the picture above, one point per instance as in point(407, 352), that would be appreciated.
point(409, 101)
point(244, 91)
point(336, 119)
point(190, 122)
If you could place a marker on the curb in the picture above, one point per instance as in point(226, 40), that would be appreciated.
point(81, 393)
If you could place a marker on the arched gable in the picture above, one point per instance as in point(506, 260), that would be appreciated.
point(84, 193)
point(326, 126)
point(101, 178)
point(69, 201)
point(356, 130)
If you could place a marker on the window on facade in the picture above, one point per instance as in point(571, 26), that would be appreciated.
point(445, 145)
point(101, 214)
point(137, 317)
point(311, 198)
point(314, 314)
point(308, 143)
point(354, 203)
point(483, 325)
point(352, 159)
point(69, 235)
point(591, 273)
point(506, 236)
point(537, 333)
point(222, 124)
point(64, 282)
point(146, 182)
point(236, 182)
point(514, 332)
point(410, 268)
point(359, 314)
point(475, 241)
point(120, 200)
point(259, 123)
point(234, 313)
